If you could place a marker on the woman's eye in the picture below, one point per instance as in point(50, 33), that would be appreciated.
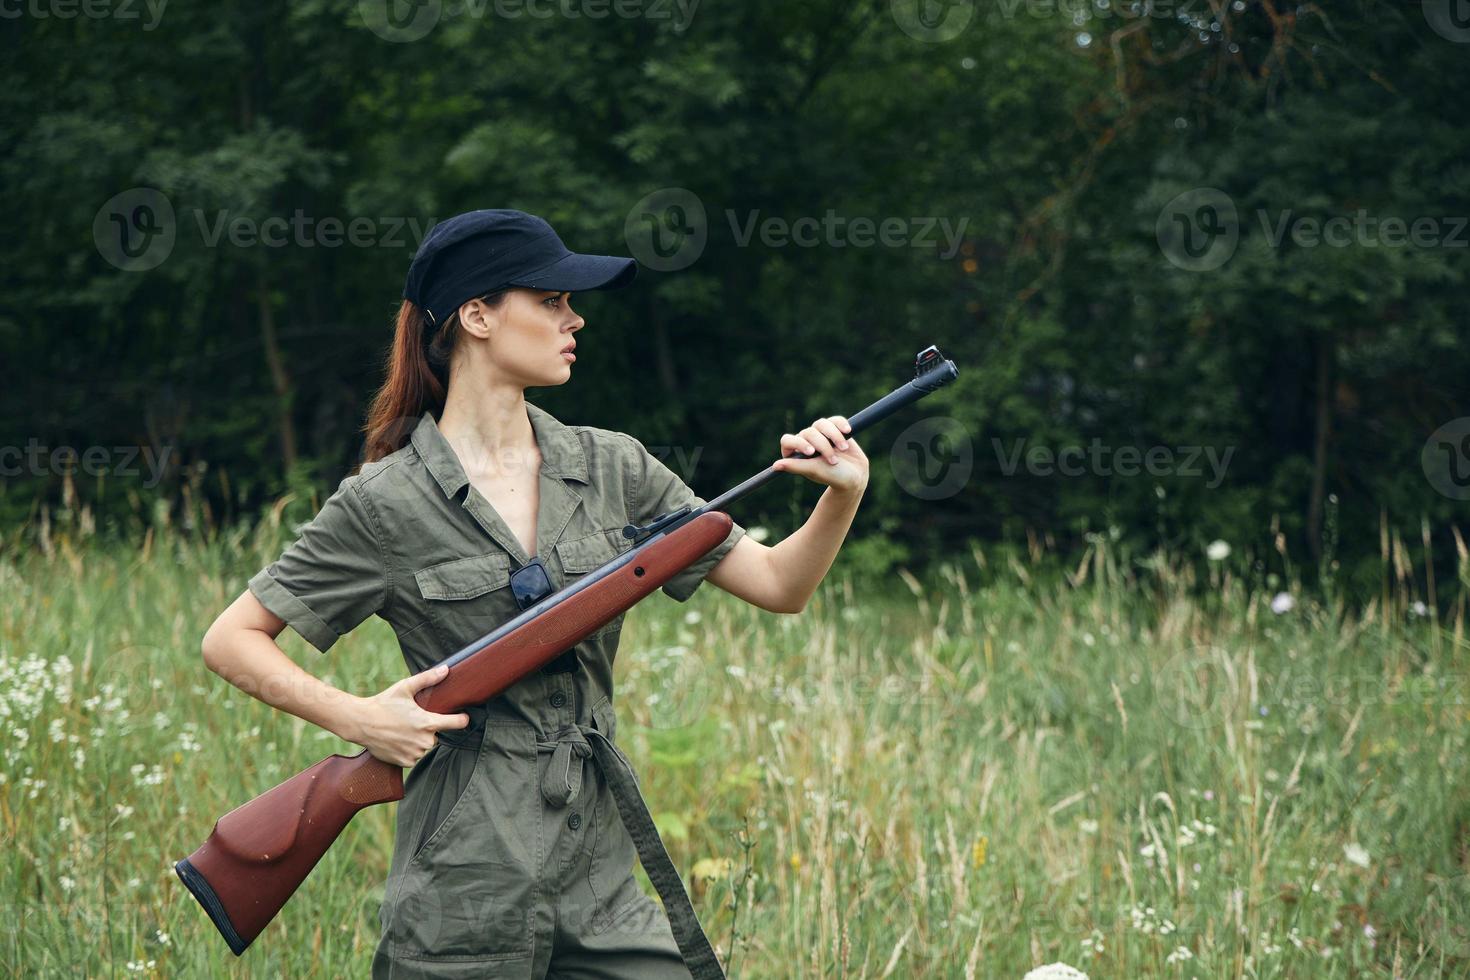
point(554, 300)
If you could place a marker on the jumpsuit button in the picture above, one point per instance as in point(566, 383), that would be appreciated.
point(558, 699)
point(575, 820)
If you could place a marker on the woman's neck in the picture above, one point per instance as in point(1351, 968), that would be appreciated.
point(489, 430)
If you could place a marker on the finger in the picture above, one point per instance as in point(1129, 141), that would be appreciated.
point(842, 422)
point(795, 464)
point(439, 723)
point(815, 436)
point(812, 469)
point(791, 444)
point(801, 443)
point(427, 678)
point(833, 434)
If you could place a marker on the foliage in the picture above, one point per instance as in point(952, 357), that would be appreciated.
point(1052, 136)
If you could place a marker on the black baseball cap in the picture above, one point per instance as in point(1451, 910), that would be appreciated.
point(478, 252)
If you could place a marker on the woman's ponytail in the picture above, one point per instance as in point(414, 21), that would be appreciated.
point(417, 381)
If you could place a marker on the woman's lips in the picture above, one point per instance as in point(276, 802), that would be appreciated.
point(570, 357)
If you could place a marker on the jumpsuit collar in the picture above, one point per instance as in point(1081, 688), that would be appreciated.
point(561, 450)
point(562, 460)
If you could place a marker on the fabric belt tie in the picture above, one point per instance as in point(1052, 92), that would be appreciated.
point(562, 783)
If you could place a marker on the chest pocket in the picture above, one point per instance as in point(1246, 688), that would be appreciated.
point(584, 554)
point(467, 597)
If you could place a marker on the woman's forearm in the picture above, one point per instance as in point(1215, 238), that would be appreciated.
point(801, 560)
point(251, 660)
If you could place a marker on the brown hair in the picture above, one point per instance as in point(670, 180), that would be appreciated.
point(417, 378)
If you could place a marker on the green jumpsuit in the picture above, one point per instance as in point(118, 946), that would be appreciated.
point(516, 836)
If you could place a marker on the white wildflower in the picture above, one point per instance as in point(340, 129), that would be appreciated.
point(1356, 853)
point(758, 534)
point(1282, 603)
point(1217, 550)
point(1055, 971)
point(1180, 954)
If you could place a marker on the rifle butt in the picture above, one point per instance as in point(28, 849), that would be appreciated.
point(260, 852)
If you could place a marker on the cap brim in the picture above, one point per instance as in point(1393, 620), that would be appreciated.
point(578, 273)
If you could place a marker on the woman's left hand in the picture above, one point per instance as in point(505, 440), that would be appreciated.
point(841, 464)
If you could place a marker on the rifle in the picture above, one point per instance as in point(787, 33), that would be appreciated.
point(260, 852)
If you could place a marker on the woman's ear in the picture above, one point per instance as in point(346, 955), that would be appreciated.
point(478, 318)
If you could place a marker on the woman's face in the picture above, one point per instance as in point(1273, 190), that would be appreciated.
point(524, 340)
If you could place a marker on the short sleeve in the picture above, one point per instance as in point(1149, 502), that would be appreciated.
point(333, 576)
point(658, 490)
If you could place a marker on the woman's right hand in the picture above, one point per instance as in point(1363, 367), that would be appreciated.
point(393, 727)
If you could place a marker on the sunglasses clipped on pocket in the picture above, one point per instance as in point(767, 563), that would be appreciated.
point(530, 584)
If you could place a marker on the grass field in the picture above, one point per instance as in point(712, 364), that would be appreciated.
point(1115, 765)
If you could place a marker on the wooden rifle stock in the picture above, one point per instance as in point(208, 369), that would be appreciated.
point(260, 852)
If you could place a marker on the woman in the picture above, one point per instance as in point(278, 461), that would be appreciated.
point(512, 858)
